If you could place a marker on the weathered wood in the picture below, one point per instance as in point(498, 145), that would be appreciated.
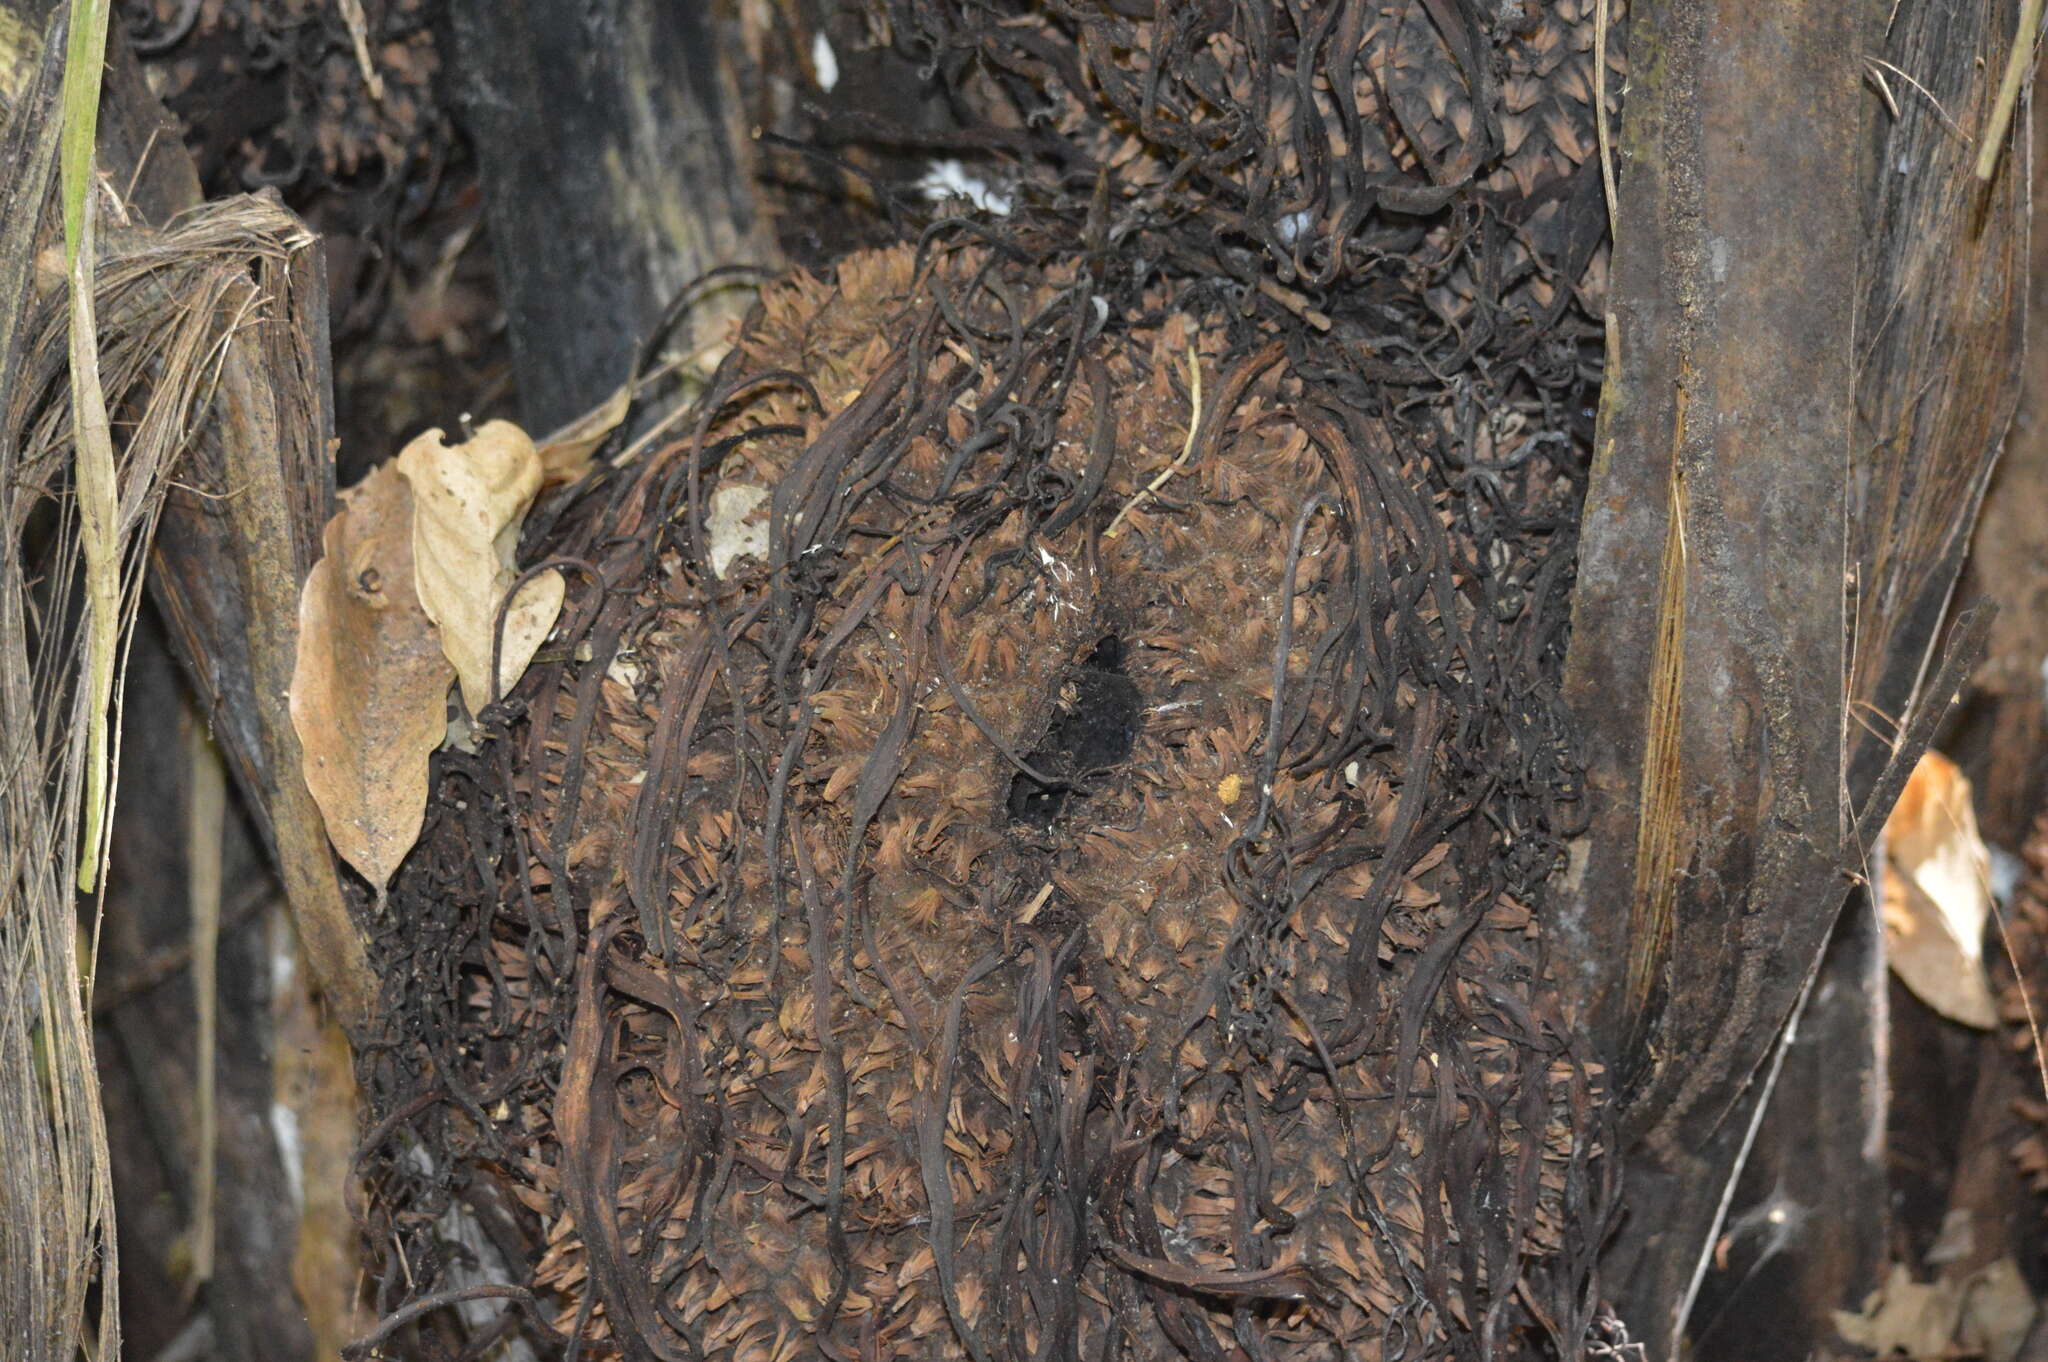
point(2009, 564)
point(1939, 335)
point(1728, 407)
point(1753, 176)
point(1707, 653)
point(232, 548)
point(616, 171)
point(275, 424)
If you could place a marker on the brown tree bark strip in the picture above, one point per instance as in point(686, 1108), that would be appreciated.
point(228, 564)
point(1729, 404)
point(274, 452)
point(1942, 326)
point(1941, 320)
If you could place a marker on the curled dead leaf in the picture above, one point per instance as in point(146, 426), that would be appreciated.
point(469, 502)
point(1937, 894)
point(369, 692)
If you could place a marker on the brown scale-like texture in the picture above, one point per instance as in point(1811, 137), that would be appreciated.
point(1092, 830)
point(1076, 889)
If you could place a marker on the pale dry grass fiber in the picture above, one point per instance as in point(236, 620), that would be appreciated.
point(166, 302)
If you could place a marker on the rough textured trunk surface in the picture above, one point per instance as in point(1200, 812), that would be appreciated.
point(1707, 628)
point(608, 195)
point(1815, 304)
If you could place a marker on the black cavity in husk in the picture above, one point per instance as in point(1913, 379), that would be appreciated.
point(1091, 732)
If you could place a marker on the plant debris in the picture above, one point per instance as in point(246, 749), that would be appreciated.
point(370, 686)
point(418, 586)
point(469, 501)
point(1937, 894)
point(1985, 1314)
point(941, 927)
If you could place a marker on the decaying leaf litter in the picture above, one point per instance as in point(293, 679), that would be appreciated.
point(417, 589)
point(965, 930)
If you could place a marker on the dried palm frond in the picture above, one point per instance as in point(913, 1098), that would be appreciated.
point(165, 303)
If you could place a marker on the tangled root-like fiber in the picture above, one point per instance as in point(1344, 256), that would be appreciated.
point(1030, 840)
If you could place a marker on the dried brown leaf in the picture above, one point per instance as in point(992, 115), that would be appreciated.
point(469, 502)
point(369, 690)
point(1937, 894)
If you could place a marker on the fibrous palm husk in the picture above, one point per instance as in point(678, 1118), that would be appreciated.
point(1312, 144)
point(1078, 885)
point(1031, 833)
